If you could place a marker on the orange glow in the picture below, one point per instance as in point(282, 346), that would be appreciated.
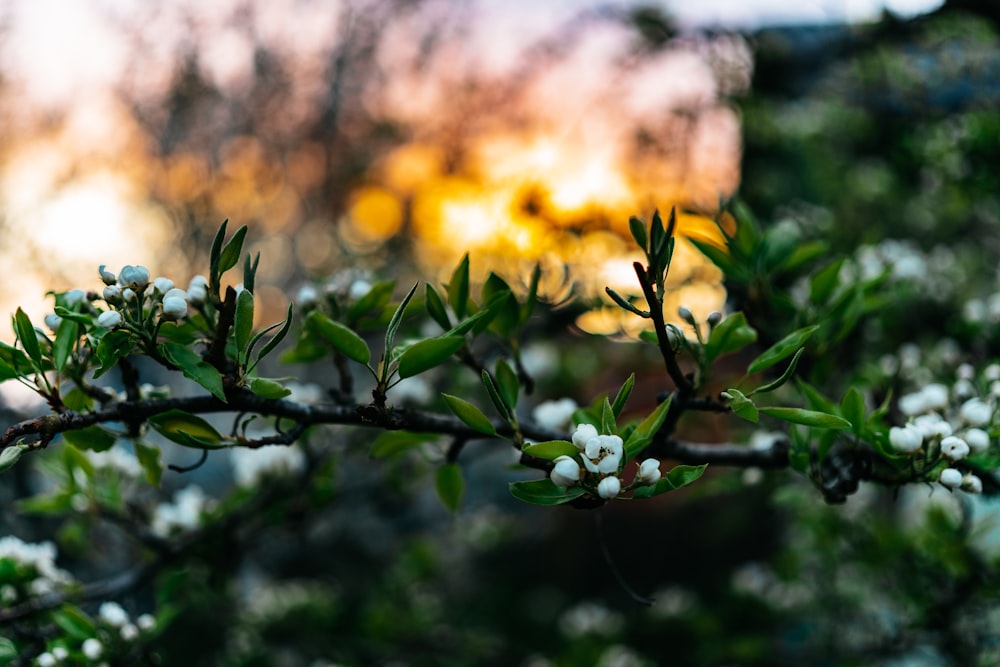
point(375, 213)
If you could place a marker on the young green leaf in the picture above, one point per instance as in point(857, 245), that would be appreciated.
point(494, 393)
point(230, 255)
point(458, 288)
point(343, 339)
point(183, 428)
point(807, 417)
point(250, 271)
point(544, 492)
point(391, 443)
point(528, 306)
point(114, 345)
point(450, 486)
point(194, 368)
point(825, 282)
point(74, 622)
point(9, 456)
point(852, 408)
point(679, 476)
point(397, 318)
point(149, 458)
point(507, 383)
point(782, 349)
point(435, 307)
point(622, 397)
point(26, 334)
point(220, 237)
point(470, 415)
point(426, 354)
point(732, 334)
point(93, 438)
point(609, 425)
point(647, 428)
point(278, 337)
point(774, 384)
point(741, 405)
point(551, 449)
point(243, 326)
point(625, 304)
point(66, 334)
point(638, 229)
point(267, 388)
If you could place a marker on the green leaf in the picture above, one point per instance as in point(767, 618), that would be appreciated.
point(68, 314)
point(804, 253)
point(66, 334)
point(507, 383)
point(12, 360)
point(625, 304)
point(74, 622)
point(230, 255)
point(9, 456)
point(149, 458)
point(852, 408)
point(825, 281)
point(730, 335)
point(397, 318)
point(741, 405)
point(544, 492)
point(377, 298)
point(609, 425)
point(243, 326)
point(494, 393)
point(194, 368)
point(95, 438)
point(783, 378)
point(814, 398)
point(679, 476)
point(807, 417)
point(470, 415)
point(392, 443)
point(307, 348)
point(551, 449)
point(26, 334)
point(250, 271)
point(343, 339)
point(220, 237)
point(532, 299)
point(450, 486)
point(114, 345)
point(426, 354)
point(458, 288)
point(720, 258)
point(8, 651)
point(622, 397)
point(647, 428)
point(187, 429)
point(277, 338)
point(267, 388)
point(782, 349)
point(638, 229)
point(435, 307)
point(46, 505)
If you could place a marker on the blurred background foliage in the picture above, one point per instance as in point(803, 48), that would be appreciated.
point(381, 142)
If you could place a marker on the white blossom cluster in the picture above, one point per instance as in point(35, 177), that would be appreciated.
point(118, 626)
point(350, 283)
point(250, 466)
point(181, 515)
point(40, 562)
point(132, 291)
point(953, 422)
point(602, 457)
point(934, 273)
point(556, 415)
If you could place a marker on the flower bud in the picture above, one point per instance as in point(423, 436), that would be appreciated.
point(174, 308)
point(686, 315)
point(197, 290)
point(906, 438)
point(950, 477)
point(566, 472)
point(358, 289)
point(136, 277)
point(129, 295)
point(52, 321)
point(649, 471)
point(113, 294)
point(163, 285)
point(976, 412)
point(75, 296)
point(978, 439)
point(584, 433)
point(175, 293)
point(92, 648)
point(110, 319)
point(954, 448)
point(107, 277)
point(972, 484)
point(714, 318)
point(307, 296)
point(609, 487)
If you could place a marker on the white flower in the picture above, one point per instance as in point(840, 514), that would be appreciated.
point(603, 454)
point(113, 613)
point(912, 404)
point(162, 285)
point(129, 632)
point(251, 465)
point(358, 289)
point(52, 321)
point(972, 484)
point(113, 294)
point(146, 622)
point(198, 290)
point(554, 414)
point(75, 296)
point(60, 653)
point(954, 448)
point(950, 477)
point(308, 296)
point(183, 514)
point(609, 487)
point(649, 471)
point(566, 472)
point(978, 439)
point(45, 660)
point(933, 425)
point(129, 295)
point(906, 438)
point(92, 648)
point(107, 277)
point(583, 434)
point(976, 412)
point(110, 319)
point(136, 277)
point(174, 308)
point(935, 396)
